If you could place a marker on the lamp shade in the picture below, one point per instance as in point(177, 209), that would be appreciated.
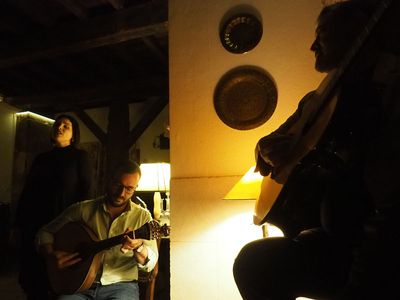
point(247, 188)
point(155, 177)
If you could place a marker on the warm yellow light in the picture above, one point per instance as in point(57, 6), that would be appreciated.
point(155, 177)
point(248, 187)
point(29, 114)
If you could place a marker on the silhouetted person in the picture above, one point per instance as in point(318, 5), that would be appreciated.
point(351, 175)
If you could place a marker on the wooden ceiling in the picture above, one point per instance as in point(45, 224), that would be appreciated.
point(72, 55)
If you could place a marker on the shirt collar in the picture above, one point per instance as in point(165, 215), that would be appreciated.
point(129, 207)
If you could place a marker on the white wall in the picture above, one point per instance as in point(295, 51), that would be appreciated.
point(148, 153)
point(208, 157)
point(7, 137)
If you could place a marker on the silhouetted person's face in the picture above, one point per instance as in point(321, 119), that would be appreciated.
point(329, 47)
point(335, 35)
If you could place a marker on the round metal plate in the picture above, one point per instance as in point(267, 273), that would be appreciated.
point(241, 33)
point(245, 97)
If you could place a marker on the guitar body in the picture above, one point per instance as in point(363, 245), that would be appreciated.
point(295, 205)
point(274, 204)
point(80, 276)
point(78, 237)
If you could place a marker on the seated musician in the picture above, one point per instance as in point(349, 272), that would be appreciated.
point(353, 253)
point(109, 216)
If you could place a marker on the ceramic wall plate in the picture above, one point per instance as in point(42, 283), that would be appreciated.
point(245, 97)
point(241, 33)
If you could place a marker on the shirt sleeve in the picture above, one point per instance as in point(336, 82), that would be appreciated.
point(152, 255)
point(152, 248)
point(273, 149)
point(45, 234)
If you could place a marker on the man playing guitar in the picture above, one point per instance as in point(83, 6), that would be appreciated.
point(112, 273)
point(339, 205)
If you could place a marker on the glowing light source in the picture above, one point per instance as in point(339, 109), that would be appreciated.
point(155, 177)
point(248, 187)
point(29, 114)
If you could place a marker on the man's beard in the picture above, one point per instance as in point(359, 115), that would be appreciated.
point(326, 62)
point(114, 203)
point(323, 66)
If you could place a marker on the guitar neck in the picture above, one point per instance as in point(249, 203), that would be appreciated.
point(148, 231)
point(111, 242)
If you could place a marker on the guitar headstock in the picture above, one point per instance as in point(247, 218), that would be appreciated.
point(152, 231)
point(157, 231)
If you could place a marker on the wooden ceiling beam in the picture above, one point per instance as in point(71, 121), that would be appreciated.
point(135, 90)
point(78, 36)
point(148, 117)
point(117, 4)
point(43, 72)
point(10, 23)
point(94, 128)
point(162, 57)
point(116, 38)
point(34, 12)
point(76, 10)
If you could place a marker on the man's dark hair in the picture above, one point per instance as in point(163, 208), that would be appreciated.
point(353, 15)
point(125, 167)
point(76, 134)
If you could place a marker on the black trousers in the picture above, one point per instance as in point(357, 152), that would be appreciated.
point(312, 265)
point(32, 271)
point(318, 266)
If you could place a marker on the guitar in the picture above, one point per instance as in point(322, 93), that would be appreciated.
point(78, 237)
point(272, 205)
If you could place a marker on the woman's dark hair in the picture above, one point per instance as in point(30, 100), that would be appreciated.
point(76, 135)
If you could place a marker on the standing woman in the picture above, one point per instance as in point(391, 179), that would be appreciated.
point(56, 179)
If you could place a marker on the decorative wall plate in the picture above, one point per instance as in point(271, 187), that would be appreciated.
point(241, 33)
point(245, 97)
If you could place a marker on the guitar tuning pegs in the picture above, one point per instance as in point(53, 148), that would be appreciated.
point(165, 229)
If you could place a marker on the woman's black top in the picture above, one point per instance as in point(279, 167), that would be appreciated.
point(56, 179)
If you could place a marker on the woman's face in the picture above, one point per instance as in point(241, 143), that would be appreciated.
point(62, 132)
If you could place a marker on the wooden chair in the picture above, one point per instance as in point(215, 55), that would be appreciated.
point(147, 281)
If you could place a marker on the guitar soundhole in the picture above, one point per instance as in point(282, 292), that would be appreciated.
point(75, 267)
point(86, 250)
